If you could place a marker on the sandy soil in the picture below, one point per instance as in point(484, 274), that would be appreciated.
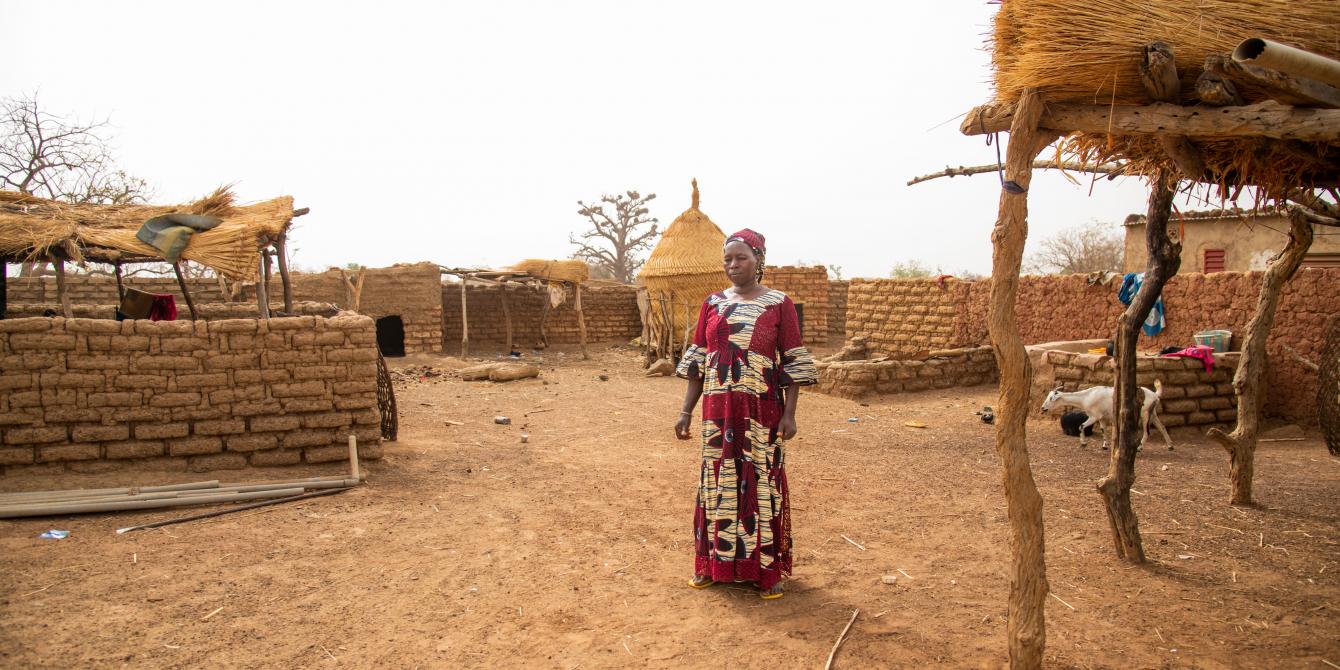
point(467, 548)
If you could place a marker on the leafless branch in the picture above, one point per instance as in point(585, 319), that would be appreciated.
point(615, 237)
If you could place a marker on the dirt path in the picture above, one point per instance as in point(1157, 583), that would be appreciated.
point(468, 548)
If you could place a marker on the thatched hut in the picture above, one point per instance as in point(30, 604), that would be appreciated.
point(683, 269)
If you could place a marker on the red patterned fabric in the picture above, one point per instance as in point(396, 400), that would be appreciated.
point(163, 308)
point(747, 352)
point(755, 240)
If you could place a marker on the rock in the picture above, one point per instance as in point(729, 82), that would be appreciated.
point(502, 421)
point(889, 579)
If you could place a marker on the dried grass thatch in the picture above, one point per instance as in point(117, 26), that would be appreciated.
point(567, 271)
point(1090, 53)
point(683, 269)
point(32, 228)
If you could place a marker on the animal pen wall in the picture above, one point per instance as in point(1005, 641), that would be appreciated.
point(808, 288)
point(901, 317)
point(405, 299)
point(96, 394)
point(101, 290)
point(610, 312)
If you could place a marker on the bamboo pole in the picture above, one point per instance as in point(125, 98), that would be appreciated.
point(185, 293)
point(281, 254)
point(581, 321)
point(61, 293)
point(465, 323)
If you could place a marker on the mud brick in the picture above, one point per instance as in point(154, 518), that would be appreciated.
point(72, 380)
point(276, 457)
point(99, 433)
point(358, 322)
point(314, 372)
point(327, 420)
point(130, 414)
point(168, 328)
point(23, 399)
point(1199, 391)
point(129, 343)
point(41, 342)
point(158, 431)
point(177, 345)
point(300, 389)
point(292, 323)
point(121, 399)
point(134, 449)
point(1173, 392)
point(263, 407)
point(206, 463)
point(241, 342)
point(367, 434)
point(234, 326)
point(225, 361)
point(97, 362)
point(17, 455)
point(325, 454)
point(275, 358)
point(30, 325)
point(1226, 388)
point(308, 438)
point(372, 451)
point(16, 381)
point(363, 371)
point(197, 414)
point(274, 341)
point(1200, 418)
point(238, 394)
point(269, 423)
point(329, 338)
point(303, 339)
point(353, 388)
point(96, 343)
point(182, 399)
point(195, 445)
point(68, 452)
point(1183, 377)
point(179, 363)
point(365, 338)
point(354, 402)
point(1215, 402)
point(351, 355)
point(252, 441)
point(207, 379)
point(1171, 420)
point(221, 427)
point(41, 435)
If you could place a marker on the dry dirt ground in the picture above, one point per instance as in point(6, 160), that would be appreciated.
point(467, 548)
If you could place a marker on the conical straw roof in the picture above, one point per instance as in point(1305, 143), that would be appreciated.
point(690, 246)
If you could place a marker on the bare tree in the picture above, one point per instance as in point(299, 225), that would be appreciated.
point(1092, 247)
point(616, 236)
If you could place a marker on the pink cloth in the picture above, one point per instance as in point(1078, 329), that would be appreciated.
point(1204, 352)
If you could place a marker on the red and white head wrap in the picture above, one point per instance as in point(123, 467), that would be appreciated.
point(755, 241)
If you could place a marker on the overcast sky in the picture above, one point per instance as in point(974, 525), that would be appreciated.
point(464, 133)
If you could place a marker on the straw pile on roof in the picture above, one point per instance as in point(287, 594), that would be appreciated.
point(1090, 53)
point(32, 228)
point(683, 269)
point(567, 271)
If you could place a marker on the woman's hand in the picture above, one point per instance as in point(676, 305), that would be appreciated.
point(787, 427)
point(682, 426)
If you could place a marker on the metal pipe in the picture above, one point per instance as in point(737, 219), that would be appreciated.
point(213, 483)
point(86, 507)
point(221, 512)
point(1289, 60)
point(181, 495)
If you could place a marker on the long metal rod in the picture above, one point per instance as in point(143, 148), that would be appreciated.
point(85, 507)
point(179, 495)
point(239, 508)
point(213, 483)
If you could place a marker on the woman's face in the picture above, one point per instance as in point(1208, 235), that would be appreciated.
point(740, 263)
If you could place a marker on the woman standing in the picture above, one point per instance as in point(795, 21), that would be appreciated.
point(748, 363)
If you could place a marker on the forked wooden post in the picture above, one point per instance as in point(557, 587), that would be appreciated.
point(185, 293)
point(465, 323)
point(62, 294)
point(581, 321)
point(1241, 443)
point(281, 255)
point(263, 287)
point(1026, 627)
point(4, 287)
point(507, 316)
point(120, 288)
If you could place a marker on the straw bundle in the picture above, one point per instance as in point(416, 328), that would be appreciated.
point(30, 228)
point(568, 271)
point(1090, 53)
point(683, 269)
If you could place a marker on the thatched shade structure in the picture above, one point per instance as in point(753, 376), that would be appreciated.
point(533, 274)
point(571, 271)
point(683, 269)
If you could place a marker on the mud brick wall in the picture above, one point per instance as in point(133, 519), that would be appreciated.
point(610, 311)
point(899, 317)
point(837, 310)
point(100, 290)
point(411, 291)
point(1191, 396)
point(945, 369)
point(806, 286)
point(208, 311)
point(89, 394)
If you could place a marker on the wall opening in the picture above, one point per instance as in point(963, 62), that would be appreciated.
point(391, 336)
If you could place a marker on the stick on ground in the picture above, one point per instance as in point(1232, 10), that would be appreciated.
point(841, 637)
point(239, 508)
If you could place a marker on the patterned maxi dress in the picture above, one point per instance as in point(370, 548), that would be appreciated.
point(747, 353)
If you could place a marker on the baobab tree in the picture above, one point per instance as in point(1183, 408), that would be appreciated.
point(618, 232)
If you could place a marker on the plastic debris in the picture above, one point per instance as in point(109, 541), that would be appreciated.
point(914, 424)
point(853, 419)
point(525, 438)
point(502, 421)
point(54, 534)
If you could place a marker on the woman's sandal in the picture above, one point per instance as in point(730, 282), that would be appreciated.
point(773, 593)
point(700, 582)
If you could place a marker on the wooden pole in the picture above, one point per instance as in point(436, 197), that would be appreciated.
point(1241, 443)
point(581, 321)
point(544, 317)
point(507, 317)
point(185, 293)
point(4, 288)
point(465, 323)
point(61, 293)
point(120, 288)
point(1164, 260)
point(281, 253)
point(1328, 386)
point(1026, 627)
point(263, 287)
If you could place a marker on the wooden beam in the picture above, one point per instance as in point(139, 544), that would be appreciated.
point(62, 294)
point(581, 320)
point(185, 292)
point(120, 287)
point(1158, 73)
point(1264, 119)
point(1311, 90)
point(1214, 88)
point(1111, 169)
point(4, 288)
point(281, 253)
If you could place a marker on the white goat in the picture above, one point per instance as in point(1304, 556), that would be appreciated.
point(1097, 403)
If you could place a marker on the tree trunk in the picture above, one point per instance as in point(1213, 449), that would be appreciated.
point(1164, 260)
point(1241, 443)
point(1026, 627)
point(1328, 386)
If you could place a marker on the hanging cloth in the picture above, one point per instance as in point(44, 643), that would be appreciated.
point(1130, 285)
point(1204, 352)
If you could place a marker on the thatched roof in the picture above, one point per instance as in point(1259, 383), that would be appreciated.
point(1091, 53)
point(573, 271)
point(34, 228)
point(690, 246)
